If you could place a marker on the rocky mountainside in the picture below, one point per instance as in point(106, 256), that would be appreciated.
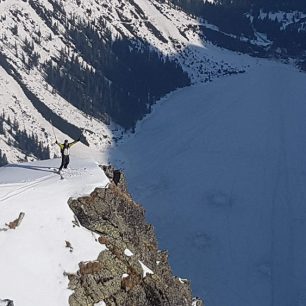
point(92, 68)
point(132, 271)
point(95, 250)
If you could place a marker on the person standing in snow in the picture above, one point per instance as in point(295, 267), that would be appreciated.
point(65, 150)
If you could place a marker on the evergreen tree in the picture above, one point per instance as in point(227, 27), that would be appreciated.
point(122, 81)
point(28, 144)
point(3, 158)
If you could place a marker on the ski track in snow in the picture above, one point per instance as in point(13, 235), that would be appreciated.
point(34, 256)
point(23, 188)
point(222, 166)
point(20, 188)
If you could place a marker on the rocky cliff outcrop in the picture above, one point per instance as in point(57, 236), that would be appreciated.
point(6, 302)
point(132, 271)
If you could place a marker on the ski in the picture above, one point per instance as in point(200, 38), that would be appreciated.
point(58, 172)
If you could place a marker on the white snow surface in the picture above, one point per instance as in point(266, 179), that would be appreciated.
point(128, 253)
point(100, 304)
point(34, 256)
point(145, 269)
point(221, 171)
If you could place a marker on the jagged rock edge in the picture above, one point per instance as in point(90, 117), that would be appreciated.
point(115, 278)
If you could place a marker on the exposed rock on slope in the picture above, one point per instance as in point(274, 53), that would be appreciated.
point(132, 271)
point(6, 302)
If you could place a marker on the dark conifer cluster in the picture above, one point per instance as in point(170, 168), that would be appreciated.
point(123, 78)
point(27, 143)
point(233, 17)
point(3, 158)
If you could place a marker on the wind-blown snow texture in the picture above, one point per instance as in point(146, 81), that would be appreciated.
point(221, 169)
point(34, 256)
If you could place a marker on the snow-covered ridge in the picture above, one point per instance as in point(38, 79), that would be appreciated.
point(34, 25)
point(67, 242)
point(49, 242)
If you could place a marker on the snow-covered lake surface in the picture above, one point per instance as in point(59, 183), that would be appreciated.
point(221, 170)
point(34, 256)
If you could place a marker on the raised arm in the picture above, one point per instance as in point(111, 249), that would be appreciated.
point(59, 144)
point(74, 142)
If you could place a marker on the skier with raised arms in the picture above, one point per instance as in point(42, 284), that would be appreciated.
point(65, 151)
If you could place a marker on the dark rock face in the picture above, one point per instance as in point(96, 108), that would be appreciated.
point(117, 277)
point(6, 302)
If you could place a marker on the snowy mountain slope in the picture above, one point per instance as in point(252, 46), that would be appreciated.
point(29, 26)
point(17, 106)
point(35, 255)
point(270, 29)
point(34, 32)
point(223, 183)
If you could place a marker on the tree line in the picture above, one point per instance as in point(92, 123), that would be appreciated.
point(233, 17)
point(117, 78)
point(28, 144)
